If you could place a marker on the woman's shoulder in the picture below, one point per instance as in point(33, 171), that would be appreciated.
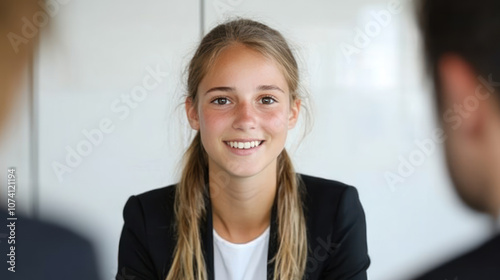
point(148, 235)
point(336, 227)
point(158, 195)
point(156, 204)
point(329, 196)
point(322, 187)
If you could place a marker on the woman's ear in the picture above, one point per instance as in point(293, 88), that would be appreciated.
point(192, 114)
point(294, 113)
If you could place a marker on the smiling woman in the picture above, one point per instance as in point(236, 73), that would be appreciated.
point(240, 211)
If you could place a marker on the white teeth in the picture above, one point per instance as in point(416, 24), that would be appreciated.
point(244, 145)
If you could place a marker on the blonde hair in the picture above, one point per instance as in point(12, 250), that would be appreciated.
point(190, 208)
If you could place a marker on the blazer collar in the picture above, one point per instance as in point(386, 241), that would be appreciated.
point(208, 244)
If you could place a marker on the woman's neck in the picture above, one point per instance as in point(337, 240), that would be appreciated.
point(241, 207)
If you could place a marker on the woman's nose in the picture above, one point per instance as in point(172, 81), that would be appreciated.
point(245, 116)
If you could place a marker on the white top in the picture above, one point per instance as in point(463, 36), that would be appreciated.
point(247, 261)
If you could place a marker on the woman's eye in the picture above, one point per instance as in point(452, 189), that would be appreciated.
point(220, 101)
point(268, 100)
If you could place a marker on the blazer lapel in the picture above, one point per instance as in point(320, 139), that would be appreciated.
point(273, 242)
point(207, 236)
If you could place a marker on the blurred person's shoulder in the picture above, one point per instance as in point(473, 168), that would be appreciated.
point(44, 249)
point(480, 263)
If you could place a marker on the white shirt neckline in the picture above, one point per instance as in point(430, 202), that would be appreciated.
point(251, 243)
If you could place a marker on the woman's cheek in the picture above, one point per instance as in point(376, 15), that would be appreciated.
point(213, 119)
point(277, 121)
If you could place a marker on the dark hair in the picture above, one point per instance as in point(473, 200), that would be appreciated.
point(468, 28)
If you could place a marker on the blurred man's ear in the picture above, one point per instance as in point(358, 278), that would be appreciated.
point(463, 109)
point(457, 78)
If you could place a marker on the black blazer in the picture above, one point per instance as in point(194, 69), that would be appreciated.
point(335, 221)
point(482, 263)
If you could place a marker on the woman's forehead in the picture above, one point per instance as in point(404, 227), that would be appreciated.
point(243, 65)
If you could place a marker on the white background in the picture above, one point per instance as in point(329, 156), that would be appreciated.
point(369, 109)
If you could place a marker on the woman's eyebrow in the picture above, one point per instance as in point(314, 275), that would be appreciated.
point(269, 87)
point(232, 89)
point(225, 89)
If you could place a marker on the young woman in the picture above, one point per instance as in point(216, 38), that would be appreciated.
point(240, 211)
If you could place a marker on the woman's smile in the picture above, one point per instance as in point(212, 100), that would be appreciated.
point(244, 148)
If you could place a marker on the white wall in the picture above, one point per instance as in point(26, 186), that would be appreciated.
point(369, 107)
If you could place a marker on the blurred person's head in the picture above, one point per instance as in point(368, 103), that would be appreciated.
point(462, 48)
point(13, 57)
